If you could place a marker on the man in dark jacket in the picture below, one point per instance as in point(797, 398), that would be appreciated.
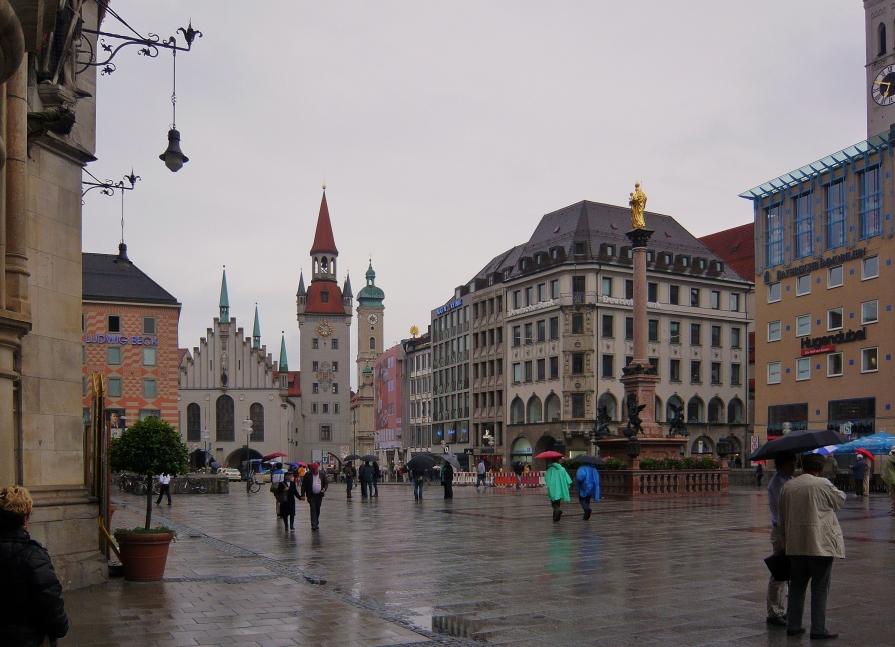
point(858, 470)
point(313, 486)
point(447, 480)
point(31, 605)
point(365, 474)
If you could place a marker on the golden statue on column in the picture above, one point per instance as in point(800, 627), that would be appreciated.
point(638, 206)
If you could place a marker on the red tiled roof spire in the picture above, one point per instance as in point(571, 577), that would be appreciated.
point(323, 238)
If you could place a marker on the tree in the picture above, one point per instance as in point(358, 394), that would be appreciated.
point(149, 448)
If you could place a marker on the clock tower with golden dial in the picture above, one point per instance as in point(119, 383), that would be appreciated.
point(370, 311)
point(879, 25)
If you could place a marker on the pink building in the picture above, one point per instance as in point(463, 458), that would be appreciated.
point(387, 380)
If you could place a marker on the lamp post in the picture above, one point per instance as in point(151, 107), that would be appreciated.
point(247, 430)
point(205, 437)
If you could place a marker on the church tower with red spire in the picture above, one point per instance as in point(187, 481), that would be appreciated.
point(324, 322)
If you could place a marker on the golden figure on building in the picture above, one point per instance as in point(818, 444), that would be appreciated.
point(638, 206)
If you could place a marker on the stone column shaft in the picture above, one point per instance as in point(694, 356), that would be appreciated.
point(16, 192)
point(640, 294)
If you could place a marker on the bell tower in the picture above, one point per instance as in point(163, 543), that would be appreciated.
point(879, 27)
point(370, 311)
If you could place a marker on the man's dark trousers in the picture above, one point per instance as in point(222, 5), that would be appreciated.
point(818, 570)
point(314, 501)
point(164, 490)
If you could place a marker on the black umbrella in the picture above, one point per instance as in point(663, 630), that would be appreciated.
point(448, 458)
point(352, 457)
point(797, 442)
point(587, 459)
point(373, 458)
point(421, 462)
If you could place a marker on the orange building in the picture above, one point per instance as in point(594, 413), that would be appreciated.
point(129, 325)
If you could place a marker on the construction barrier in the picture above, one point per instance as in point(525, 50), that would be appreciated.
point(500, 479)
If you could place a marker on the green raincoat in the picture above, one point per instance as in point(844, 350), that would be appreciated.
point(558, 482)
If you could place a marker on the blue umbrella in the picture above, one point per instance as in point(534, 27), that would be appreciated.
point(879, 443)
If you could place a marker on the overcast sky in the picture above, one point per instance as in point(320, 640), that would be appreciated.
point(445, 130)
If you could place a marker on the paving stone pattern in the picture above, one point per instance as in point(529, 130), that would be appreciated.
point(487, 567)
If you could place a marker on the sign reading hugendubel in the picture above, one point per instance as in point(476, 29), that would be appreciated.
point(827, 343)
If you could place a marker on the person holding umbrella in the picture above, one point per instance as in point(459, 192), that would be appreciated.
point(287, 492)
point(888, 475)
point(868, 461)
point(447, 480)
point(587, 479)
point(777, 589)
point(349, 473)
point(858, 471)
point(365, 474)
point(558, 482)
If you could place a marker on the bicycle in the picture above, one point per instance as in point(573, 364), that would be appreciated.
point(253, 483)
point(194, 485)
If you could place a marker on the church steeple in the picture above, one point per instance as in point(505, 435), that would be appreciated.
point(284, 363)
point(256, 331)
point(371, 295)
point(301, 285)
point(346, 289)
point(225, 300)
point(324, 253)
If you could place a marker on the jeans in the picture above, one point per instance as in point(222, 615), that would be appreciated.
point(314, 501)
point(818, 570)
point(518, 481)
point(374, 487)
point(164, 490)
point(777, 591)
point(480, 479)
point(585, 503)
point(417, 489)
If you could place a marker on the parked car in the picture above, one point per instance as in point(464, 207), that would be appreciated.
point(232, 474)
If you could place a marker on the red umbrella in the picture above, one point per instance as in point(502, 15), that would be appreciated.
point(865, 453)
point(549, 455)
point(274, 455)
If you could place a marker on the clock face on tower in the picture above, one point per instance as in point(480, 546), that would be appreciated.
point(883, 89)
point(372, 319)
point(324, 329)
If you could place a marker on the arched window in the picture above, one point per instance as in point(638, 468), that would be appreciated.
point(534, 409)
point(674, 403)
point(716, 410)
point(702, 445)
point(658, 409)
point(224, 422)
point(881, 39)
point(372, 343)
point(735, 412)
point(193, 423)
point(521, 451)
point(694, 410)
point(256, 414)
point(608, 400)
point(324, 265)
point(552, 408)
point(517, 411)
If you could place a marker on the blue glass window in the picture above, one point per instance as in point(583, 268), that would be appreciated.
point(774, 216)
point(804, 225)
point(871, 197)
point(835, 224)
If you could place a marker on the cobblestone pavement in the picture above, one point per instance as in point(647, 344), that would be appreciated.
point(487, 567)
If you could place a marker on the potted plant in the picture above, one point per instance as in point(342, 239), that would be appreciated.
point(150, 447)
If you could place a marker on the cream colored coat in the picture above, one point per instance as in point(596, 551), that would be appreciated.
point(807, 517)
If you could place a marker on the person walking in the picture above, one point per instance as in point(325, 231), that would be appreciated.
point(517, 470)
point(313, 486)
point(287, 493)
point(349, 473)
point(759, 473)
point(776, 596)
point(587, 480)
point(481, 471)
point(888, 476)
point(812, 537)
point(276, 477)
point(858, 470)
point(365, 474)
point(32, 611)
point(558, 482)
point(377, 475)
point(164, 488)
point(447, 480)
point(418, 476)
point(868, 475)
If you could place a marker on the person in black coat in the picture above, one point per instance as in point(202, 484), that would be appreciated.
point(313, 486)
point(365, 474)
point(447, 480)
point(31, 605)
point(287, 492)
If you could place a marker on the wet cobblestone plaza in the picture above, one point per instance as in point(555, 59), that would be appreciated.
point(487, 567)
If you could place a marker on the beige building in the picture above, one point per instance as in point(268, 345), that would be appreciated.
point(417, 395)
point(370, 324)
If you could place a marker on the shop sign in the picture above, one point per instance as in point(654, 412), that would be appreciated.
point(820, 350)
point(627, 302)
point(827, 343)
point(816, 265)
point(540, 305)
point(135, 340)
point(450, 306)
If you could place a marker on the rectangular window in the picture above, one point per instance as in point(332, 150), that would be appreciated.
point(734, 302)
point(735, 337)
point(577, 324)
point(607, 328)
point(114, 323)
point(629, 289)
point(149, 358)
point(834, 364)
point(695, 334)
point(869, 312)
point(114, 387)
point(652, 292)
point(517, 335)
point(335, 344)
point(795, 414)
point(529, 296)
point(735, 377)
point(803, 285)
point(315, 387)
point(674, 330)
point(835, 215)
point(606, 286)
point(554, 368)
point(654, 362)
point(870, 267)
point(114, 355)
point(150, 388)
point(542, 369)
point(871, 199)
point(834, 277)
point(773, 292)
point(715, 301)
point(326, 432)
point(149, 325)
point(529, 376)
point(652, 327)
point(773, 372)
point(804, 226)
point(315, 366)
point(313, 407)
point(517, 372)
point(608, 366)
point(542, 292)
point(694, 297)
point(335, 367)
point(517, 299)
point(629, 327)
point(391, 387)
point(773, 331)
point(336, 407)
point(674, 370)
point(695, 372)
point(578, 405)
point(528, 333)
point(716, 336)
point(554, 289)
point(774, 229)
point(674, 295)
point(803, 325)
point(868, 360)
point(325, 407)
point(315, 343)
point(803, 369)
point(716, 372)
point(554, 328)
point(542, 330)
point(577, 363)
point(834, 319)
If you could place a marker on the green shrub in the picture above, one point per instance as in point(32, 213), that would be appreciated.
point(615, 464)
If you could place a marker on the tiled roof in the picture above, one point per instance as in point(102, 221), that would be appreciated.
point(105, 280)
point(315, 303)
point(736, 247)
point(323, 237)
point(182, 353)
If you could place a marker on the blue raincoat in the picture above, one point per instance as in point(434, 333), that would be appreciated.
point(587, 480)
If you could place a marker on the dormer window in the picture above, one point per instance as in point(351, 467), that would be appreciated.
point(610, 250)
point(683, 260)
point(650, 256)
point(629, 253)
point(668, 258)
point(554, 253)
point(506, 274)
point(580, 248)
point(700, 263)
point(324, 296)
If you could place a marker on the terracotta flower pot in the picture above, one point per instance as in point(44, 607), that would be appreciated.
point(144, 555)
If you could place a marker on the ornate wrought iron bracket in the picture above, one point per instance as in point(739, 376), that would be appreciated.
point(108, 187)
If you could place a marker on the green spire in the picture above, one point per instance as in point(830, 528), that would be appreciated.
point(225, 299)
point(284, 363)
point(301, 285)
point(256, 331)
point(346, 289)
